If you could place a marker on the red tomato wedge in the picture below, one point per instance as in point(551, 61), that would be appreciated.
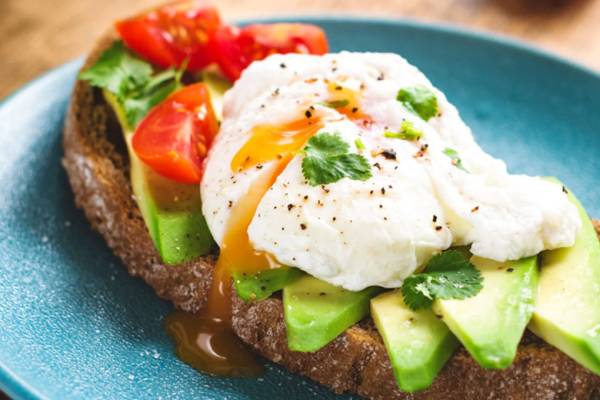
point(236, 48)
point(175, 136)
point(173, 33)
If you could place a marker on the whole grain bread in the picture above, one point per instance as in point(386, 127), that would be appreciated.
point(96, 162)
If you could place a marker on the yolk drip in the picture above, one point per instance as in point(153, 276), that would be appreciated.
point(272, 142)
point(206, 340)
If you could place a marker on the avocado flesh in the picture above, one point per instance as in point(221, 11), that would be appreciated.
point(417, 342)
point(567, 312)
point(171, 210)
point(262, 285)
point(490, 325)
point(316, 312)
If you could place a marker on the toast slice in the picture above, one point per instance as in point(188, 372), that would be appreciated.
point(96, 162)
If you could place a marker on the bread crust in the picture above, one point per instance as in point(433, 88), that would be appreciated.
point(356, 362)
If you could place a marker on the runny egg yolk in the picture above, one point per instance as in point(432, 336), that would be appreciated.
point(206, 341)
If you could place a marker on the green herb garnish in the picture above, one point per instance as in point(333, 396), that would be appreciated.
point(448, 275)
point(419, 99)
point(327, 159)
point(131, 81)
point(456, 161)
point(407, 132)
point(359, 144)
point(336, 103)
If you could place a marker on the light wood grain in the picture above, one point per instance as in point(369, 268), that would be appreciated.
point(39, 34)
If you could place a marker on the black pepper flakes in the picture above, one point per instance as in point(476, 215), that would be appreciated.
point(564, 189)
point(434, 219)
point(303, 226)
point(377, 165)
point(354, 109)
point(438, 228)
point(259, 166)
point(383, 191)
point(290, 206)
point(389, 154)
point(282, 65)
point(229, 203)
point(275, 92)
point(509, 270)
point(475, 209)
point(308, 113)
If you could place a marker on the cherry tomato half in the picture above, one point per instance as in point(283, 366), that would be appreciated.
point(175, 136)
point(236, 48)
point(173, 33)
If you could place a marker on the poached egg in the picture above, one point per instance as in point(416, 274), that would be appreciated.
point(418, 202)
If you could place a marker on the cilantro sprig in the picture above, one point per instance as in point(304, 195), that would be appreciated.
point(448, 275)
point(132, 81)
point(327, 159)
point(454, 158)
point(407, 132)
point(336, 103)
point(419, 99)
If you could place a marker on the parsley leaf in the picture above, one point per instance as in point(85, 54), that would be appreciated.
point(448, 275)
point(131, 81)
point(419, 99)
point(454, 157)
point(407, 132)
point(327, 160)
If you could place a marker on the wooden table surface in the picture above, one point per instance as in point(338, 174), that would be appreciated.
point(40, 34)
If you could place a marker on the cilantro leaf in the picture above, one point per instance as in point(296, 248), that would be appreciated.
point(336, 103)
point(407, 132)
point(454, 157)
point(327, 160)
point(156, 90)
point(118, 71)
point(448, 275)
point(419, 99)
point(359, 144)
point(131, 81)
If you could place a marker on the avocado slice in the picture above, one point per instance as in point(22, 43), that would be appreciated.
point(490, 325)
point(259, 286)
point(418, 343)
point(171, 210)
point(567, 312)
point(316, 312)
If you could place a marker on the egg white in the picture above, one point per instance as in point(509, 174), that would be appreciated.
point(357, 234)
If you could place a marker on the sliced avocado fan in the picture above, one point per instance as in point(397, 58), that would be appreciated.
point(316, 312)
point(490, 324)
point(172, 211)
point(262, 285)
point(567, 312)
point(417, 342)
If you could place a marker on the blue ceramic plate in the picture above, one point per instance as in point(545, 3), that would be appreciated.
point(73, 324)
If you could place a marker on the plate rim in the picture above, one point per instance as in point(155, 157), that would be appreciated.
point(17, 388)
